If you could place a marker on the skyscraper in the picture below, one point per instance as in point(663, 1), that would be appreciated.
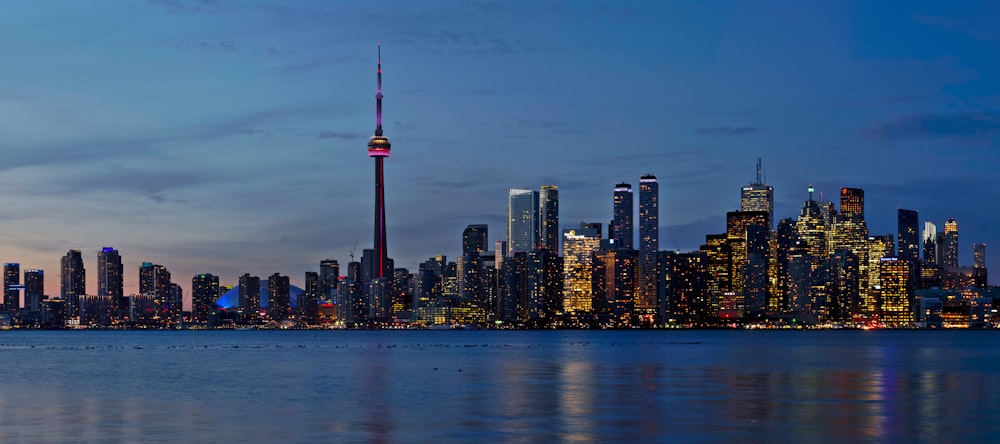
point(73, 281)
point(34, 289)
point(329, 274)
point(278, 297)
point(204, 293)
point(475, 239)
point(758, 196)
point(548, 208)
point(979, 255)
point(579, 246)
point(249, 297)
point(622, 233)
point(110, 274)
point(378, 147)
point(930, 242)
point(649, 244)
point(522, 220)
point(813, 230)
point(949, 251)
point(154, 279)
point(896, 291)
point(852, 203)
point(908, 237)
point(11, 282)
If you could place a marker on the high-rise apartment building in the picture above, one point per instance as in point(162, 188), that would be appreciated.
point(896, 292)
point(73, 281)
point(949, 250)
point(250, 296)
point(548, 209)
point(329, 274)
point(813, 229)
point(11, 282)
point(110, 276)
point(279, 303)
point(649, 244)
point(204, 293)
point(579, 247)
point(979, 255)
point(758, 196)
point(622, 233)
point(34, 289)
point(908, 235)
point(522, 220)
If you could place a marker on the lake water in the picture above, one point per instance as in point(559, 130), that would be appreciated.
point(499, 386)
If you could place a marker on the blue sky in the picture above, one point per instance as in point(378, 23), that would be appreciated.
point(229, 136)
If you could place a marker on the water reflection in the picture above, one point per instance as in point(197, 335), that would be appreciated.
point(504, 387)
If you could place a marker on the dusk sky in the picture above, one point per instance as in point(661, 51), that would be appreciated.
point(225, 137)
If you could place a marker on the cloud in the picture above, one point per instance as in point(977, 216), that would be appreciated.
point(933, 126)
point(341, 135)
point(729, 130)
point(193, 6)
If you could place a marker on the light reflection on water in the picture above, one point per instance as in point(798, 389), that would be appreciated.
point(383, 387)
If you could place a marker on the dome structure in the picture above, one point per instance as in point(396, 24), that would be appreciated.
point(231, 299)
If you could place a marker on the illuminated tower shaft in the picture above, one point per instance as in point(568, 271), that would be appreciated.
point(378, 147)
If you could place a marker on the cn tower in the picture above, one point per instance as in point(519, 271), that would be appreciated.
point(378, 147)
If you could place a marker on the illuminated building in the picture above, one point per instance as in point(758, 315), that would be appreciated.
point(110, 276)
point(72, 281)
point(621, 233)
point(329, 274)
point(378, 147)
point(908, 245)
point(879, 247)
point(513, 288)
point(579, 247)
point(758, 196)
point(545, 284)
point(834, 291)
point(755, 268)
point(649, 233)
point(785, 239)
point(522, 220)
point(738, 225)
point(279, 301)
point(204, 293)
point(34, 289)
point(155, 280)
point(249, 297)
point(97, 310)
point(475, 239)
point(548, 208)
point(896, 292)
point(718, 258)
point(930, 236)
point(472, 286)
point(949, 249)
point(812, 229)
point(979, 275)
point(615, 276)
point(685, 291)
point(11, 287)
point(852, 203)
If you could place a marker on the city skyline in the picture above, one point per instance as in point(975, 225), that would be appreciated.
point(187, 137)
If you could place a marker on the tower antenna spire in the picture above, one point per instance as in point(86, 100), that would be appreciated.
point(758, 170)
point(378, 94)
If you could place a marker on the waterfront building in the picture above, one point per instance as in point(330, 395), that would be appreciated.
point(879, 247)
point(812, 229)
point(548, 209)
point(110, 276)
point(329, 275)
point(649, 244)
point(908, 238)
point(249, 297)
point(758, 196)
point(683, 281)
point(278, 297)
point(34, 289)
point(378, 148)
point(621, 231)
point(12, 286)
point(72, 281)
point(930, 236)
point(614, 291)
point(718, 257)
point(522, 220)
point(896, 291)
point(545, 284)
point(949, 250)
point(204, 293)
point(579, 247)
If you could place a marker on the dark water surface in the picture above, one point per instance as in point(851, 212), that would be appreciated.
point(499, 386)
